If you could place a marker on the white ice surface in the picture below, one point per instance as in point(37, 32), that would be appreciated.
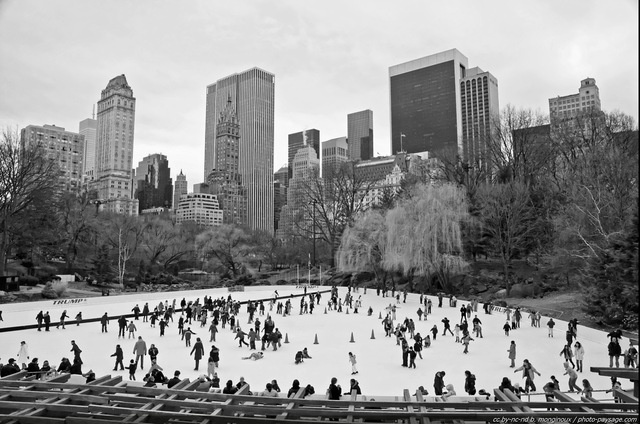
point(379, 359)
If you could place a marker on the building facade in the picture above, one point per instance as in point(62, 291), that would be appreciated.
point(335, 152)
point(480, 114)
point(280, 181)
point(88, 128)
point(565, 108)
point(252, 96)
point(180, 188)
point(360, 135)
point(297, 141)
point(152, 183)
point(201, 208)
point(225, 180)
point(63, 147)
point(114, 148)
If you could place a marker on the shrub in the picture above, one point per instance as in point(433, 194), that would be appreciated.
point(60, 287)
point(48, 292)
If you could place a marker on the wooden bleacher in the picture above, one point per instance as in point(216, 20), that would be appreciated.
point(108, 400)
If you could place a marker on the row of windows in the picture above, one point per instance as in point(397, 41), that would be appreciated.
point(572, 100)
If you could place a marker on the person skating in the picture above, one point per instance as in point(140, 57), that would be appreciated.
point(63, 317)
point(466, 339)
point(568, 355)
point(512, 354)
point(119, 357)
point(550, 324)
point(214, 354)
point(187, 336)
point(240, 335)
point(447, 327)
point(131, 328)
point(145, 312)
point(197, 352)
point(23, 354)
point(153, 352)
point(122, 326)
point(40, 319)
point(136, 312)
point(140, 350)
point(434, 331)
point(78, 318)
point(162, 324)
point(76, 350)
point(506, 327)
point(352, 360)
point(412, 358)
point(254, 356)
point(528, 373)
point(573, 377)
point(132, 370)
point(104, 320)
point(47, 321)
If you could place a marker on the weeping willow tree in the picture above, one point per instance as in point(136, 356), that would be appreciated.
point(363, 243)
point(423, 234)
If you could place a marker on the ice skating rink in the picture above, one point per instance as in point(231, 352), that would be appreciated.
point(379, 359)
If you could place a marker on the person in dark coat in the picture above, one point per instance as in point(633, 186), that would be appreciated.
point(175, 380)
point(438, 382)
point(447, 327)
point(136, 312)
point(122, 325)
point(354, 385)
point(76, 368)
point(104, 321)
point(76, 350)
point(615, 351)
point(506, 384)
point(334, 390)
point(47, 321)
point(295, 388)
point(119, 357)
point(65, 365)
point(469, 383)
point(197, 352)
point(9, 368)
point(229, 388)
point(39, 319)
point(33, 368)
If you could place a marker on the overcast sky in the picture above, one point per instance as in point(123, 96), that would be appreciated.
point(330, 58)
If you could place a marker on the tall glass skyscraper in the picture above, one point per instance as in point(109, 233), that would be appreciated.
point(360, 135)
point(252, 95)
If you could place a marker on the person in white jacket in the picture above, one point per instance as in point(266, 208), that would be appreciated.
point(579, 355)
point(23, 354)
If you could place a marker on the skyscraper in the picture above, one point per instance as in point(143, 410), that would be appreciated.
point(225, 180)
point(437, 106)
point(425, 96)
point(299, 140)
point(153, 184)
point(66, 148)
point(360, 135)
point(334, 153)
point(480, 114)
point(180, 188)
point(252, 96)
point(88, 129)
point(114, 147)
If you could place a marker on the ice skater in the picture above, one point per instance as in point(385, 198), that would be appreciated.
point(352, 360)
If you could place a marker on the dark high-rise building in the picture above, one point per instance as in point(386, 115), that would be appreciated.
point(153, 184)
point(280, 180)
point(299, 140)
point(425, 99)
point(360, 135)
point(180, 189)
point(438, 105)
point(252, 97)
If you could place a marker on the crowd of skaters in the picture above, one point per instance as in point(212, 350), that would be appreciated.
point(225, 311)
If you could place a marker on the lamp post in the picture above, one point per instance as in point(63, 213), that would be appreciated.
point(313, 223)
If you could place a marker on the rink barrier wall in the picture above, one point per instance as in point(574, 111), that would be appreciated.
point(75, 301)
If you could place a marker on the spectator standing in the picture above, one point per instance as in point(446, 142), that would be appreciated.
point(512, 353)
point(140, 350)
point(197, 352)
point(119, 355)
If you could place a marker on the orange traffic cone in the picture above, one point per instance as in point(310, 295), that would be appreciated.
point(286, 337)
point(347, 311)
point(316, 340)
point(352, 339)
point(372, 335)
point(325, 310)
point(379, 315)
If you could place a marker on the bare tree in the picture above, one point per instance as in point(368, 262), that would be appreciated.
point(125, 234)
point(227, 247)
point(508, 220)
point(25, 174)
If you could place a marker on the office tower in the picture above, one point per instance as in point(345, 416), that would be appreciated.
point(334, 153)
point(153, 184)
point(88, 128)
point(480, 115)
point(201, 208)
point(225, 180)
point(180, 188)
point(563, 108)
point(301, 139)
point(306, 166)
point(360, 135)
point(64, 147)
point(427, 97)
point(114, 147)
point(280, 180)
point(252, 96)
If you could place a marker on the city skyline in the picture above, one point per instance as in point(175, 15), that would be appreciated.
point(324, 68)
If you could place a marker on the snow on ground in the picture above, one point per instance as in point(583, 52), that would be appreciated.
point(379, 359)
